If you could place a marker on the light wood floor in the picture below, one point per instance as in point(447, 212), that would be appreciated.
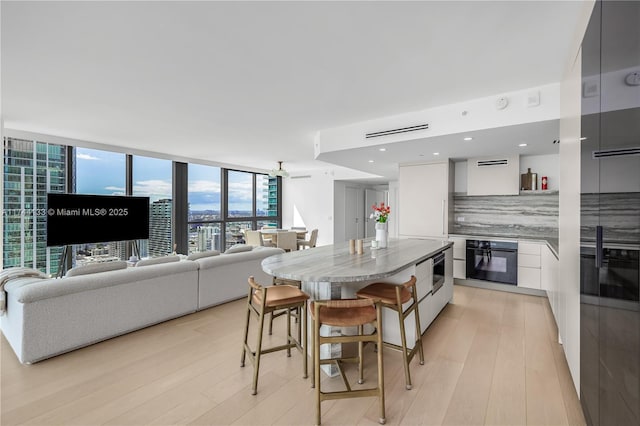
point(491, 358)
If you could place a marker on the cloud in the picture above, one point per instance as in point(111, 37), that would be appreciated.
point(240, 191)
point(115, 190)
point(153, 188)
point(204, 186)
point(81, 156)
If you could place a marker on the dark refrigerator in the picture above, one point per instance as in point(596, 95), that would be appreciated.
point(610, 216)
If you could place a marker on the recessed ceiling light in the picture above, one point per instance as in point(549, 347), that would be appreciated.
point(371, 161)
point(382, 149)
point(522, 144)
point(468, 138)
point(436, 153)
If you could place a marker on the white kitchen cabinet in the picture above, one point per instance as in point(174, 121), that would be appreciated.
point(425, 199)
point(493, 175)
point(549, 277)
point(459, 257)
point(529, 265)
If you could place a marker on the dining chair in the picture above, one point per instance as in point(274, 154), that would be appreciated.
point(253, 238)
point(287, 240)
point(311, 242)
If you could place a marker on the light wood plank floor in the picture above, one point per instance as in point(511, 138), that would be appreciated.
point(491, 358)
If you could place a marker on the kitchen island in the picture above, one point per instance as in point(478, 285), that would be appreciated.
point(331, 272)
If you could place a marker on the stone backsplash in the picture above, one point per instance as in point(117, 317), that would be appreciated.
point(533, 215)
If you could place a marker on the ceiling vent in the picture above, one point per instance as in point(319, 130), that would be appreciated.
point(620, 152)
point(488, 163)
point(397, 131)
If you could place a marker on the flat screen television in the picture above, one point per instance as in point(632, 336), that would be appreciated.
point(81, 219)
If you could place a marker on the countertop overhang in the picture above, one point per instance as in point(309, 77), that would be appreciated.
point(334, 263)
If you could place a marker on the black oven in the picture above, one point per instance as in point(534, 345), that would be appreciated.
point(492, 261)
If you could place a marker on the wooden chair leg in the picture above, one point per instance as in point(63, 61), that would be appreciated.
point(256, 366)
point(246, 335)
point(360, 356)
point(382, 420)
point(403, 339)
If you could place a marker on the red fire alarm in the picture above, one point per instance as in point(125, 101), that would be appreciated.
point(544, 182)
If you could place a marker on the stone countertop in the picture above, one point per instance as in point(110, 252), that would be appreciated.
point(551, 242)
point(333, 263)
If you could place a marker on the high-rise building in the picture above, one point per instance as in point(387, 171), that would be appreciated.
point(160, 228)
point(208, 238)
point(31, 170)
point(272, 187)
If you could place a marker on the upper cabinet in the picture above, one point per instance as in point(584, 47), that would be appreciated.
point(425, 199)
point(493, 175)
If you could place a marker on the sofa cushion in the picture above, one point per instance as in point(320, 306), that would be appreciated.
point(200, 255)
point(238, 248)
point(96, 267)
point(157, 260)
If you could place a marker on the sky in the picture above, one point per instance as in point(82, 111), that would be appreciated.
point(103, 173)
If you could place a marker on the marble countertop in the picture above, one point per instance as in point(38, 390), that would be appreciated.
point(333, 263)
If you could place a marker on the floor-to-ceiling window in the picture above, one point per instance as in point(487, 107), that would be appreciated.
point(152, 178)
point(99, 172)
point(204, 198)
point(252, 202)
point(31, 170)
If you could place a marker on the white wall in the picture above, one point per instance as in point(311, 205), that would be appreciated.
point(309, 202)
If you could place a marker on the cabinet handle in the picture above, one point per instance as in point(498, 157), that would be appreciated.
point(598, 246)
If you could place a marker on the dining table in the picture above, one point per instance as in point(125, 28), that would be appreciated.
point(272, 234)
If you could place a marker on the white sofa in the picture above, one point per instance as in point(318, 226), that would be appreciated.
point(224, 278)
point(47, 317)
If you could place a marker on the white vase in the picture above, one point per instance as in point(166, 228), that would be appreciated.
point(382, 234)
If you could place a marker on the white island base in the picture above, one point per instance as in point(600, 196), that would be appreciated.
point(330, 272)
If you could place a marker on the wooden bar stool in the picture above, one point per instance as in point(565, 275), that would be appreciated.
point(346, 313)
point(263, 300)
point(393, 296)
point(296, 311)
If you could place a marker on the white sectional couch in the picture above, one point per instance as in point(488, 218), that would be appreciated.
point(47, 317)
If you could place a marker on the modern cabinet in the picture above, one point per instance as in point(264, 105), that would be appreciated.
point(425, 193)
point(429, 304)
point(493, 175)
point(459, 257)
point(529, 265)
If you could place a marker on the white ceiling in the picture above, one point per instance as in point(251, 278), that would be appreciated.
point(250, 83)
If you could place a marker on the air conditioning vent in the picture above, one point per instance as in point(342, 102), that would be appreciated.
point(301, 177)
point(396, 131)
point(620, 152)
point(488, 163)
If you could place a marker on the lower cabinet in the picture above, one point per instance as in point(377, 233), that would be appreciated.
point(529, 265)
point(459, 257)
point(549, 277)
